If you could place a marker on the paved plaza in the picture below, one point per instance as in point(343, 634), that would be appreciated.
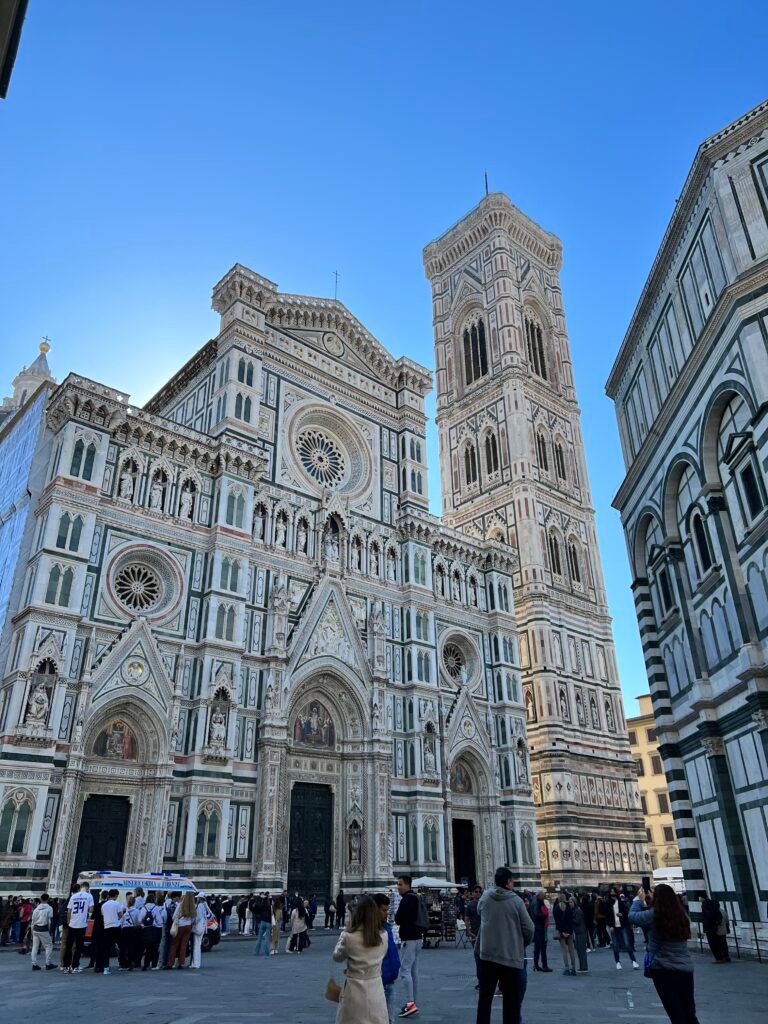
point(233, 986)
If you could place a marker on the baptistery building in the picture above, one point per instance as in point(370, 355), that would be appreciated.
point(237, 644)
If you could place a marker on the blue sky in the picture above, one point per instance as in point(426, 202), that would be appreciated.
point(146, 147)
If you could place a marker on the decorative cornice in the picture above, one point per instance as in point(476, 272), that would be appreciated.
point(743, 131)
point(495, 212)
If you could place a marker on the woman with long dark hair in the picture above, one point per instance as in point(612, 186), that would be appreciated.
point(298, 928)
point(667, 961)
point(363, 946)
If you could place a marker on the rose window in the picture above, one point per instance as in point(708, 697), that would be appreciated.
point(321, 457)
point(137, 587)
point(453, 659)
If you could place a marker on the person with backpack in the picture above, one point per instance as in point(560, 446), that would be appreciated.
point(390, 966)
point(169, 906)
point(129, 937)
point(412, 918)
point(263, 919)
point(152, 919)
point(199, 928)
point(668, 960)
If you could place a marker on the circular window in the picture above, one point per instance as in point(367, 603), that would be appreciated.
point(453, 660)
point(321, 457)
point(137, 587)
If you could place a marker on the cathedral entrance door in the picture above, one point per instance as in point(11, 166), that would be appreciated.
point(464, 866)
point(310, 851)
point(103, 830)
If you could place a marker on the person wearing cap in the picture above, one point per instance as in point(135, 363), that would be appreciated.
point(199, 928)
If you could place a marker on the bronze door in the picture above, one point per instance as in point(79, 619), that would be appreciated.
point(310, 854)
point(103, 831)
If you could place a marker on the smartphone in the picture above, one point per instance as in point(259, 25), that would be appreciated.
point(647, 883)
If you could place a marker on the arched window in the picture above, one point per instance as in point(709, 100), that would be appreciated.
point(475, 353)
point(221, 614)
point(230, 627)
point(82, 460)
point(534, 341)
point(526, 842)
point(555, 563)
point(241, 371)
point(560, 462)
point(413, 479)
point(239, 406)
point(70, 529)
point(541, 451)
point(470, 464)
point(491, 454)
point(419, 484)
point(701, 539)
point(59, 586)
point(247, 410)
point(418, 451)
point(14, 822)
point(430, 840)
point(573, 563)
point(235, 509)
point(739, 465)
point(207, 834)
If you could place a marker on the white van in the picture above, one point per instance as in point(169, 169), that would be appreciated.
point(671, 876)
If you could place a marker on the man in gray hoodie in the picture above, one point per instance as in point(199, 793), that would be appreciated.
point(505, 931)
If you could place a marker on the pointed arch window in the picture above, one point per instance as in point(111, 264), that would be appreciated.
point(555, 562)
point(534, 340)
point(14, 823)
point(526, 841)
point(235, 509)
point(573, 563)
point(701, 539)
point(82, 460)
point(541, 451)
point(59, 587)
point(470, 464)
point(491, 454)
point(70, 529)
point(475, 352)
point(560, 462)
point(207, 834)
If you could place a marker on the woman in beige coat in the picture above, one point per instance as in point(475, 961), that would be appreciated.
point(363, 947)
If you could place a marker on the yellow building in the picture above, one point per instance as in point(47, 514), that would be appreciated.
point(654, 796)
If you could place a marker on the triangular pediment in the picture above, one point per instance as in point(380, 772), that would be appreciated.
point(133, 667)
point(466, 725)
point(329, 631)
point(469, 292)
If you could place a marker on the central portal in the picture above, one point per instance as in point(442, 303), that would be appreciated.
point(465, 870)
point(101, 844)
point(310, 850)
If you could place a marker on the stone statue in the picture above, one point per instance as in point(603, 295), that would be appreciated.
point(281, 599)
point(610, 720)
point(126, 484)
point(37, 706)
point(375, 717)
point(301, 538)
point(473, 593)
point(456, 589)
point(564, 707)
point(331, 547)
point(218, 732)
point(377, 620)
point(374, 561)
point(522, 765)
point(430, 766)
point(259, 520)
point(357, 555)
point(280, 532)
point(391, 567)
point(269, 700)
point(156, 496)
point(354, 843)
point(185, 505)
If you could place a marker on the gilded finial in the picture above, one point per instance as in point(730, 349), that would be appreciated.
point(45, 347)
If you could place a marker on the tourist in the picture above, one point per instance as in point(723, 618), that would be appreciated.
point(183, 919)
point(79, 909)
point(613, 926)
point(242, 907)
point(97, 931)
point(472, 924)
point(540, 915)
point(579, 935)
point(263, 921)
point(129, 940)
point(139, 898)
point(603, 911)
point(363, 946)
point(626, 929)
point(41, 932)
point(111, 912)
point(312, 911)
point(411, 936)
point(390, 965)
point(199, 928)
point(298, 938)
point(169, 905)
point(715, 927)
point(505, 931)
point(153, 920)
point(341, 909)
point(286, 909)
point(668, 960)
point(277, 923)
point(226, 913)
point(6, 920)
point(587, 905)
point(563, 915)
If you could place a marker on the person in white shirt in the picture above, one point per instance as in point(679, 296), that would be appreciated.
point(79, 910)
point(111, 912)
point(41, 932)
point(199, 928)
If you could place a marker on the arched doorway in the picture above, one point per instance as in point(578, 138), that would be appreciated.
point(475, 821)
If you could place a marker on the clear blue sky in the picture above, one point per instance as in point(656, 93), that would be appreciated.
point(146, 147)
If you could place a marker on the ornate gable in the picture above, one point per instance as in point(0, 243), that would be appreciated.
point(133, 668)
point(328, 631)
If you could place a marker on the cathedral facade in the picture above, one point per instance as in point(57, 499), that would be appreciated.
point(238, 645)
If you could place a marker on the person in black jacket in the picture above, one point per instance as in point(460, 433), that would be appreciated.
point(540, 915)
point(411, 936)
point(341, 909)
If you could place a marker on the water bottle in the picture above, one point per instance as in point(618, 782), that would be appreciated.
point(630, 1000)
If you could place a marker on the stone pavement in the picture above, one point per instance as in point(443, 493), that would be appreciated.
point(235, 987)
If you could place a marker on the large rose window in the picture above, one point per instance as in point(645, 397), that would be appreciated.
point(143, 580)
point(137, 587)
point(453, 660)
point(330, 449)
point(321, 457)
point(460, 659)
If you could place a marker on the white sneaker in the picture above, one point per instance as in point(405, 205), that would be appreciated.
point(618, 967)
point(635, 965)
point(106, 971)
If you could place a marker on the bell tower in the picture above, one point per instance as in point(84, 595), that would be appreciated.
point(513, 470)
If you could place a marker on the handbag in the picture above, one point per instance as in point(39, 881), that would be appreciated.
point(333, 991)
point(174, 929)
point(648, 962)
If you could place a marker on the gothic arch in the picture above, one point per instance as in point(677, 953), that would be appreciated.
point(674, 474)
point(479, 770)
point(140, 717)
point(647, 516)
point(710, 425)
point(343, 694)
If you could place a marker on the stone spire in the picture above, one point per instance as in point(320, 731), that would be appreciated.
point(27, 381)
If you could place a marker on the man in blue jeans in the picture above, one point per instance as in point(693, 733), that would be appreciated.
point(263, 917)
point(505, 931)
point(411, 936)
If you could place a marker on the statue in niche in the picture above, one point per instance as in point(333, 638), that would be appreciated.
point(610, 720)
point(593, 710)
point(357, 555)
point(126, 483)
point(281, 599)
point(281, 531)
point(473, 593)
point(37, 706)
point(259, 520)
point(456, 589)
point(355, 844)
point(377, 620)
point(375, 717)
point(564, 713)
point(269, 699)
point(217, 736)
point(391, 567)
point(580, 709)
point(156, 495)
point(301, 538)
point(430, 765)
point(331, 547)
point(522, 764)
point(185, 505)
point(374, 561)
